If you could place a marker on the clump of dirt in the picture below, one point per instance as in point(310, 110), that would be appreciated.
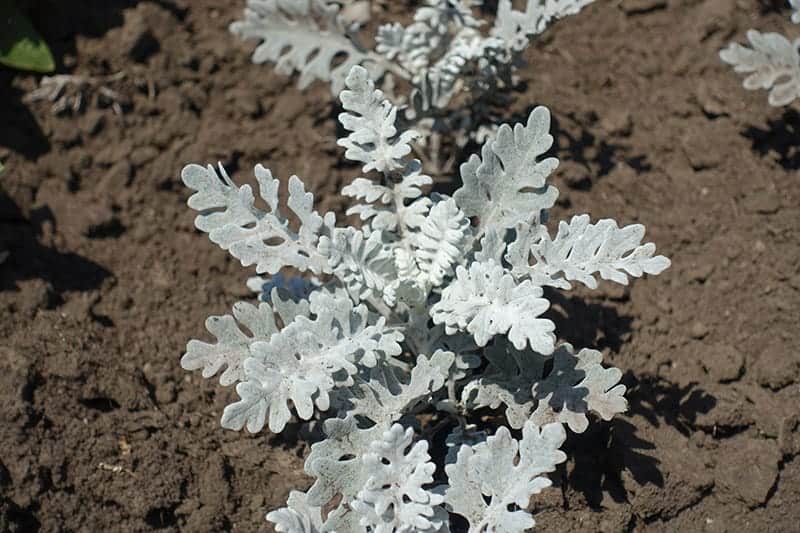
point(106, 278)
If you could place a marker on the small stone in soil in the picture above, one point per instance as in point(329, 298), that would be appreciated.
point(699, 330)
point(762, 202)
point(747, 469)
point(722, 362)
point(776, 366)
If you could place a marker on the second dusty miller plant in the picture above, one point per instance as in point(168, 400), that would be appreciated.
point(771, 62)
point(459, 67)
point(404, 327)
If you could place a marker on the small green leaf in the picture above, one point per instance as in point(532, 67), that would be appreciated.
point(21, 46)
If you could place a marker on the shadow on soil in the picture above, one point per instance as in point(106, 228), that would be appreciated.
point(28, 258)
point(780, 136)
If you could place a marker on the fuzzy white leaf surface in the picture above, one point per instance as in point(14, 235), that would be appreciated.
point(508, 473)
point(364, 264)
point(394, 498)
point(254, 236)
point(486, 301)
point(306, 360)
point(387, 334)
point(298, 516)
point(772, 62)
point(370, 119)
point(385, 398)
point(233, 343)
point(440, 242)
point(303, 36)
point(507, 186)
point(580, 250)
point(576, 385)
point(514, 27)
point(393, 207)
point(795, 4)
point(337, 462)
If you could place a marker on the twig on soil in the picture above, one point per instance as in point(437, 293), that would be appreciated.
point(117, 469)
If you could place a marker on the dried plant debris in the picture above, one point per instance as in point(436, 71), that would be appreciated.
point(72, 93)
point(434, 305)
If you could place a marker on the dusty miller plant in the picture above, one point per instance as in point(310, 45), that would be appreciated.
point(772, 62)
point(458, 66)
point(405, 326)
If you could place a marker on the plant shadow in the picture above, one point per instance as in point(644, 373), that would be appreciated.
point(608, 449)
point(586, 323)
point(780, 136)
point(28, 259)
point(575, 141)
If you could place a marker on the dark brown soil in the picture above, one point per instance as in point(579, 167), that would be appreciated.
point(106, 280)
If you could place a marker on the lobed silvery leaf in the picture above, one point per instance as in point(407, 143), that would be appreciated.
point(306, 360)
point(795, 4)
point(385, 398)
point(508, 380)
point(336, 462)
point(416, 47)
point(426, 338)
point(772, 63)
point(394, 498)
point(508, 185)
point(514, 27)
point(575, 385)
point(254, 236)
point(440, 242)
point(298, 516)
point(486, 301)
point(363, 264)
point(370, 119)
point(580, 250)
point(491, 483)
point(493, 246)
point(233, 343)
point(305, 36)
point(398, 207)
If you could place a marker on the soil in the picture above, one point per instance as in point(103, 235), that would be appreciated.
point(106, 279)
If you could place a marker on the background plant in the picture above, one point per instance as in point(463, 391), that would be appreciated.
point(457, 67)
point(413, 328)
point(771, 61)
point(21, 46)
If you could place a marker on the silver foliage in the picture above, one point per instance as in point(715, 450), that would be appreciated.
point(508, 472)
point(446, 51)
point(772, 62)
point(580, 250)
point(383, 345)
point(394, 498)
point(298, 516)
point(303, 36)
point(507, 186)
point(576, 385)
point(486, 301)
point(385, 398)
point(439, 244)
point(306, 360)
point(370, 119)
point(229, 215)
